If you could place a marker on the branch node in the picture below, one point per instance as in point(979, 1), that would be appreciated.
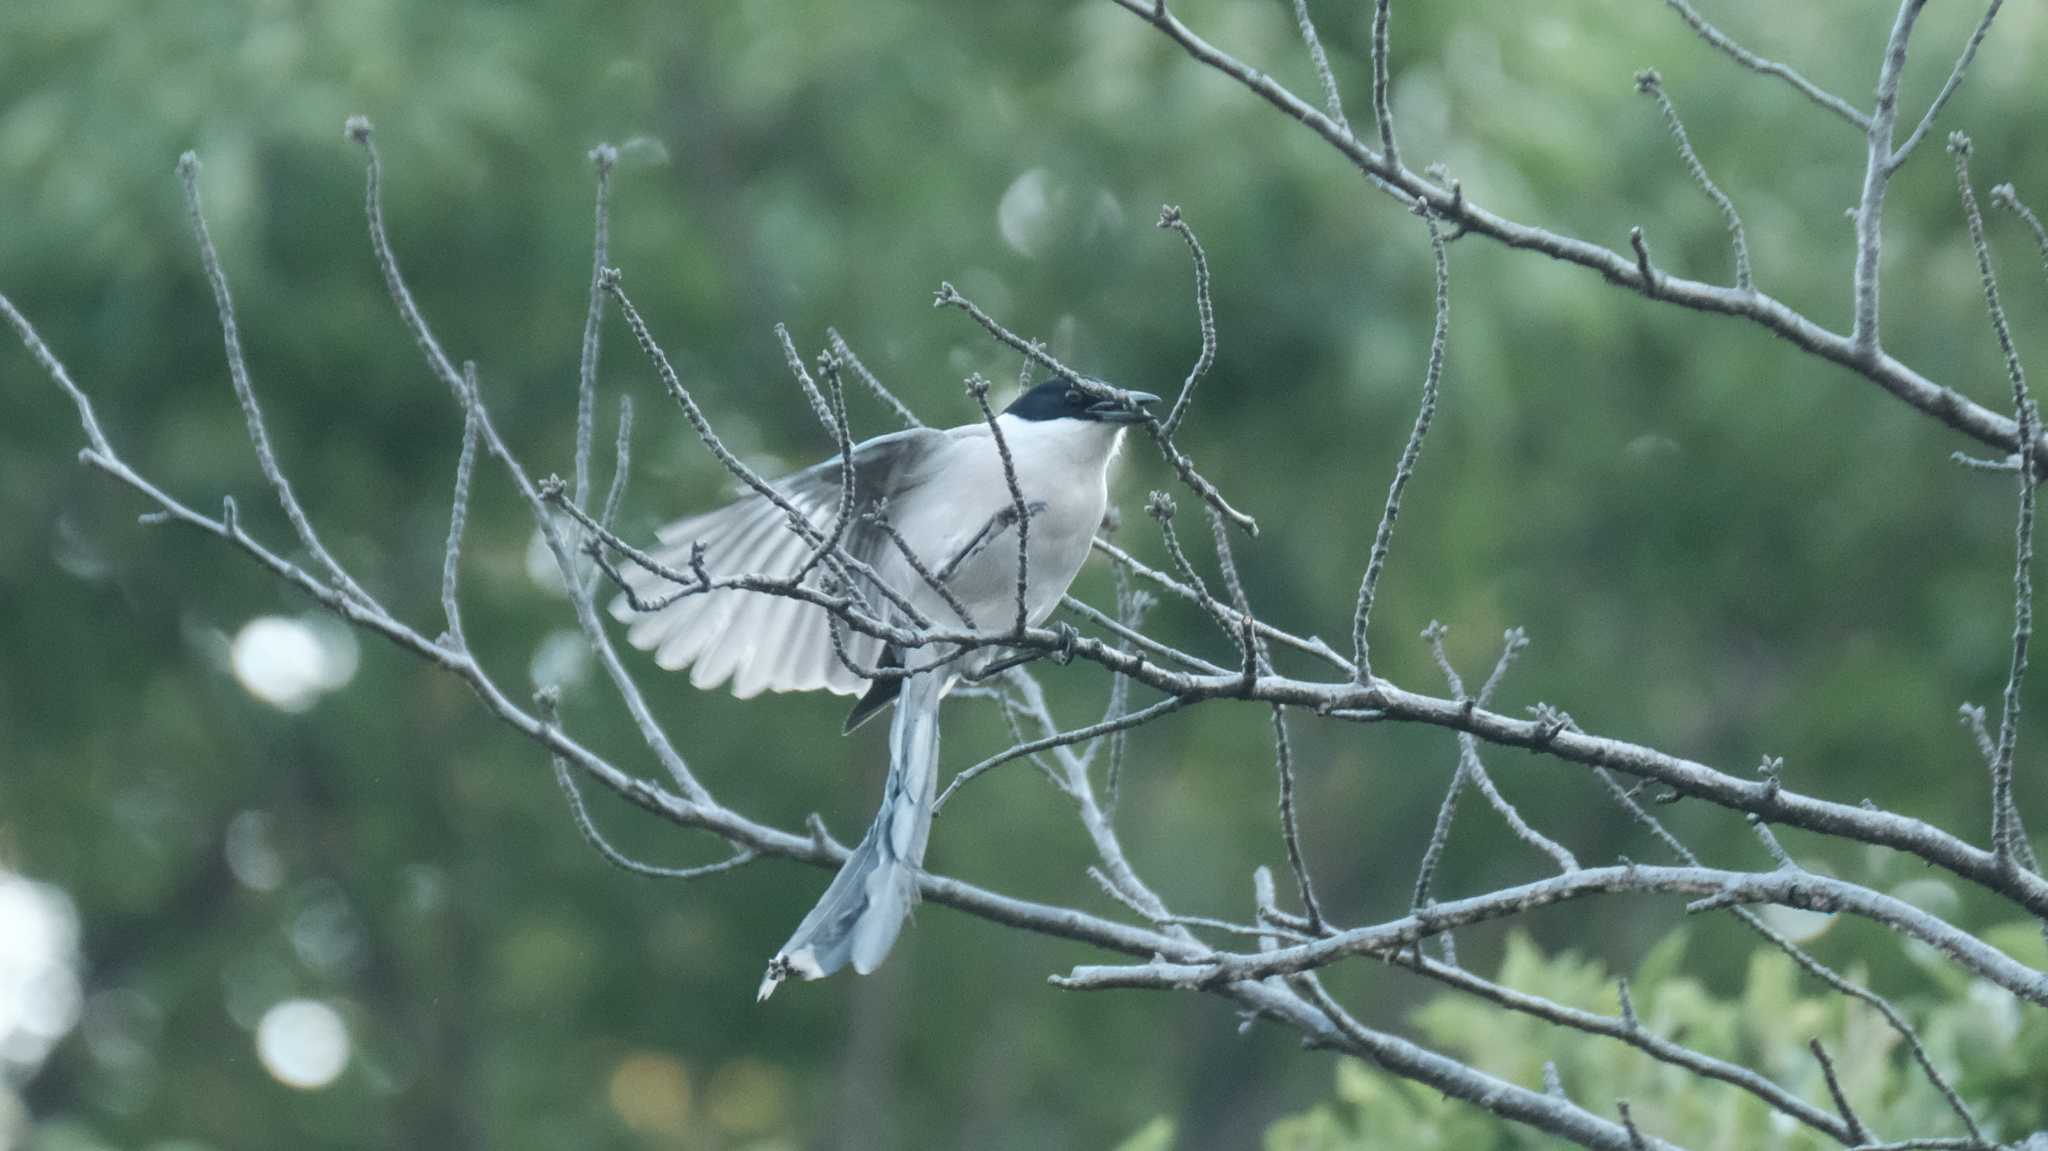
point(1644, 269)
point(1772, 769)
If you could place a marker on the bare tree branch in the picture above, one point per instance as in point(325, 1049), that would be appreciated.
point(2008, 834)
point(1717, 888)
point(1451, 206)
point(1472, 771)
point(604, 158)
point(1333, 100)
point(1404, 471)
point(1020, 511)
point(867, 379)
point(1382, 114)
point(1651, 85)
point(1858, 1133)
point(1876, 174)
point(1948, 87)
point(245, 392)
point(1205, 312)
point(1275, 976)
point(1805, 960)
point(458, 516)
point(1756, 63)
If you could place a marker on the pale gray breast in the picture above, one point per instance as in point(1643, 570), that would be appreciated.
point(1061, 468)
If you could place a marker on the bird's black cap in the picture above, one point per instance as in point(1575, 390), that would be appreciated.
point(1058, 399)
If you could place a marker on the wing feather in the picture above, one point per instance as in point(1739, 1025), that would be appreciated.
point(757, 641)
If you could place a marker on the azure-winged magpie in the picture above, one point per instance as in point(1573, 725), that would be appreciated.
point(946, 493)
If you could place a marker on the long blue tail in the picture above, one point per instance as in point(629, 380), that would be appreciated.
point(861, 913)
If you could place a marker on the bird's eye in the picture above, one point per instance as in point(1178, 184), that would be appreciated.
point(1074, 396)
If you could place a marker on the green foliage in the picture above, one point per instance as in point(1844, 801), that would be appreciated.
point(1717, 545)
point(1992, 1046)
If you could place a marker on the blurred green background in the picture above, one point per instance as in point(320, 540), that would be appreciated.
point(1719, 546)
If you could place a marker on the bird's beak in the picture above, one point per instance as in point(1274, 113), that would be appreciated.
point(1127, 408)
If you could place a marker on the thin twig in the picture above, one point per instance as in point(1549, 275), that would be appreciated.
point(1130, 613)
point(651, 732)
point(868, 379)
point(841, 429)
point(1163, 509)
point(1061, 739)
point(1514, 640)
point(245, 392)
point(1652, 85)
point(1806, 961)
point(458, 515)
point(795, 361)
point(1858, 1133)
point(1258, 661)
point(1475, 772)
point(1944, 404)
point(1333, 99)
point(1630, 1030)
point(840, 563)
point(878, 516)
point(1628, 1124)
point(1542, 1110)
point(1383, 538)
point(1876, 174)
point(1948, 87)
point(622, 460)
point(1381, 112)
point(949, 297)
point(1160, 579)
point(604, 158)
point(1756, 63)
point(1711, 889)
point(978, 388)
point(2005, 197)
point(1772, 847)
point(1205, 310)
point(2007, 832)
point(580, 815)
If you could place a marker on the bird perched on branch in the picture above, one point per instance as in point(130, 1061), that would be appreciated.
point(950, 499)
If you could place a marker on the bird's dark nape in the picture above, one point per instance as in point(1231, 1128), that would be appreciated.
point(1060, 399)
point(1054, 399)
point(880, 694)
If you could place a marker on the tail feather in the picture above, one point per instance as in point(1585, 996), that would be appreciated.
point(862, 911)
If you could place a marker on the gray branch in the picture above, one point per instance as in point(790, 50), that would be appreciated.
point(1759, 64)
point(1943, 403)
point(1276, 978)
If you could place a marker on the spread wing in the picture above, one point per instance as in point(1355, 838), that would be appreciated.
point(764, 642)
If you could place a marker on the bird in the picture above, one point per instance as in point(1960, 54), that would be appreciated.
point(944, 495)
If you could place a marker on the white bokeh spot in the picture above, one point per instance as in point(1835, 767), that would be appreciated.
point(289, 663)
point(1024, 215)
point(39, 958)
point(303, 1043)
